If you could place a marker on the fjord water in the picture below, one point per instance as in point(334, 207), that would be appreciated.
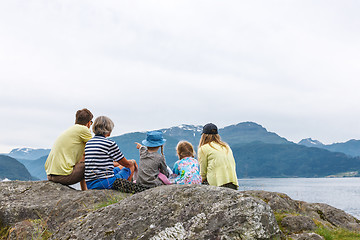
point(342, 193)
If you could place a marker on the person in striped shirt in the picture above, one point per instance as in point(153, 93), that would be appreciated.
point(104, 162)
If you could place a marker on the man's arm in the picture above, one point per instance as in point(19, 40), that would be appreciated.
point(83, 185)
point(82, 182)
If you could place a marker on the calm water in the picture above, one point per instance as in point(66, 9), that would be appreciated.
point(342, 193)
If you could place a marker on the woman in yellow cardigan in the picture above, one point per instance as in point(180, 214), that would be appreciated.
point(217, 163)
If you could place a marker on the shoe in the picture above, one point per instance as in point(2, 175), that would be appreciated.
point(126, 186)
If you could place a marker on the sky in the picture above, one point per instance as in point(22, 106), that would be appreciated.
point(291, 66)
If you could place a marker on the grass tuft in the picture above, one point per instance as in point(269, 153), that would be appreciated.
point(111, 199)
point(41, 231)
point(337, 234)
point(4, 232)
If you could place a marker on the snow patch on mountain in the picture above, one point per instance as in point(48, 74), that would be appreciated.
point(28, 153)
point(183, 127)
point(197, 128)
point(22, 150)
point(309, 142)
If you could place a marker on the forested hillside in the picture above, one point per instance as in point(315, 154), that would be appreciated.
point(12, 169)
point(259, 159)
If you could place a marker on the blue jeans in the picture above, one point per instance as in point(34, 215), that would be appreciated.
point(107, 183)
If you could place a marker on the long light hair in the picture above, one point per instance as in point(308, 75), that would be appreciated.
point(209, 138)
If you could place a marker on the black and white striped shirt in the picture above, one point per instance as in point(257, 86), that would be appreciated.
point(100, 152)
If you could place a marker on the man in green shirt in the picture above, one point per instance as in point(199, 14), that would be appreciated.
point(65, 163)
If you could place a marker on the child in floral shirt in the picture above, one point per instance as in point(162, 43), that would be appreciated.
point(187, 169)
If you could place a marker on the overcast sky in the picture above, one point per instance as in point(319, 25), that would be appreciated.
point(291, 66)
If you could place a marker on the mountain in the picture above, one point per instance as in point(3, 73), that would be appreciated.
point(308, 142)
point(12, 169)
point(36, 167)
point(127, 146)
point(28, 153)
point(248, 132)
point(259, 159)
point(258, 152)
point(189, 132)
point(32, 159)
point(351, 147)
point(240, 133)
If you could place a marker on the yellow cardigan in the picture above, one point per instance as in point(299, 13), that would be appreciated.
point(217, 164)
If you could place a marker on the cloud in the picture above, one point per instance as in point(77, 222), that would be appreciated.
point(290, 66)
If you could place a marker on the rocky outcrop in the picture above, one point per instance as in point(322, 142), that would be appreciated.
point(167, 212)
point(298, 219)
point(295, 224)
point(306, 236)
point(178, 212)
point(44, 209)
point(45, 206)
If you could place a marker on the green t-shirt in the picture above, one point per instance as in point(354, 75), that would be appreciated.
point(217, 164)
point(67, 150)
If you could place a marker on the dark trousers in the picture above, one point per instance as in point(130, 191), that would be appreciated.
point(76, 176)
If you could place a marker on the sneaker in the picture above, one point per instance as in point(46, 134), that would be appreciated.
point(126, 186)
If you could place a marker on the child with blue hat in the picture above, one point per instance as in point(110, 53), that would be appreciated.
point(153, 170)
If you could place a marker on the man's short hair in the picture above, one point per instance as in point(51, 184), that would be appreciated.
point(83, 116)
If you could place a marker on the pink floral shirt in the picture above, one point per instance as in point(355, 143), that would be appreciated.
point(187, 171)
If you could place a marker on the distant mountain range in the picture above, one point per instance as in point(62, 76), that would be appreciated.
point(258, 153)
point(241, 133)
point(36, 167)
point(28, 153)
point(259, 159)
point(351, 147)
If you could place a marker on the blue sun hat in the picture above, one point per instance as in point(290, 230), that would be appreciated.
point(154, 139)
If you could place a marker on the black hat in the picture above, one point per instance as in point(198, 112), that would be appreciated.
point(210, 128)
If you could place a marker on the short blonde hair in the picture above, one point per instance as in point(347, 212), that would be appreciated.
point(103, 125)
point(184, 149)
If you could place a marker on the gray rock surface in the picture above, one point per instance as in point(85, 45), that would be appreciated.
point(331, 215)
point(178, 212)
point(53, 204)
point(38, 210)
point(306, 236)
point(323, 213)
point(279, 202)
point(297, 224)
